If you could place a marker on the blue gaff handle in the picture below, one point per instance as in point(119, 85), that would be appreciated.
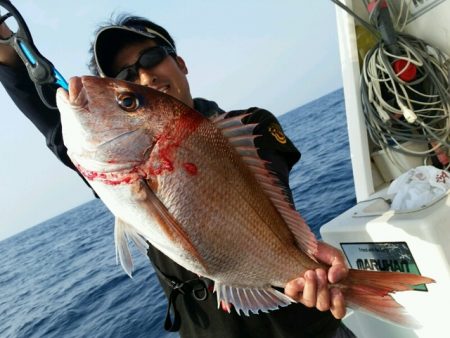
point(41, 71)
point(39, 75)
point(27, 53)
point(60, 80)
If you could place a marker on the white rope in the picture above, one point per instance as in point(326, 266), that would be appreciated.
point(390, 102)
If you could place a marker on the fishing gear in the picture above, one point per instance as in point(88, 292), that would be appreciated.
point(41, 71)
point(404, 90)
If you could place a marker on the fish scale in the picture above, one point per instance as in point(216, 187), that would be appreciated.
point(197, 191)
point(248, 206)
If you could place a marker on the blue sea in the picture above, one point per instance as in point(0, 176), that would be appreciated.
point(60, 278)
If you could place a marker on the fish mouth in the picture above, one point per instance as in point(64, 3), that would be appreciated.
point(77, 93)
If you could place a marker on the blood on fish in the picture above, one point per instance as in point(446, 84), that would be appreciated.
point(165, 165)
point(90, 175)
point(190, 168)
point(168, 142)
point(109, 178)
point(126, 180)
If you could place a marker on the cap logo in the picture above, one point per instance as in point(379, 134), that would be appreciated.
point(277, 133)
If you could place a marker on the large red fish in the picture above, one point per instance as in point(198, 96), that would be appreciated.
point(197, 190)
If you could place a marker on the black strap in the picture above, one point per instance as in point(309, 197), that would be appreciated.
point(169, 325)
point(196, 287)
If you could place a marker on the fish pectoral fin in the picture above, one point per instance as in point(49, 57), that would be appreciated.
point(122, 233)
point(251, 299)
point(171, 227)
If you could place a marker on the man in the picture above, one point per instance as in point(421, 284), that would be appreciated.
point(140, 51)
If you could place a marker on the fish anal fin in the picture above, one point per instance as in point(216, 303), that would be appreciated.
point(241, 137)
point(250, 299)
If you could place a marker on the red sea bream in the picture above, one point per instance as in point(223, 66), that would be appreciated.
point(197, 190)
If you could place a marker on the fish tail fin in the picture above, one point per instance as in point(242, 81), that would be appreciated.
point(369, 291)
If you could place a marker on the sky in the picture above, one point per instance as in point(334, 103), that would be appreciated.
point(277, 55)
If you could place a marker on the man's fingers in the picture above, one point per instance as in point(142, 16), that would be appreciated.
point(323, 293)
point(294, 287)
point(337, 272)
point(308, 297)
point(337, 308)
point(313, 290)
point(328, 254)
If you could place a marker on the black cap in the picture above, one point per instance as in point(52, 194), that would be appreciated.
point(111, 39)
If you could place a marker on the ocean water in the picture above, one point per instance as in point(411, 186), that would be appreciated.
point(60, 279)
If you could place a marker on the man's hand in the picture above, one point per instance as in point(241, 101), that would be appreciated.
point(312, 288)
point(8, 55)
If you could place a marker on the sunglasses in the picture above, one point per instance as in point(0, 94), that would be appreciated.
point(149, 58)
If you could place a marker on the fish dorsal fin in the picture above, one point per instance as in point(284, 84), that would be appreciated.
point(122, 233)
point(251, 299)
point(241, 137)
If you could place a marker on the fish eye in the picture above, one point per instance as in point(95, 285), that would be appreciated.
point(128, 101)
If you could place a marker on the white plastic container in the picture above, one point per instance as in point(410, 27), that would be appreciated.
point(423, 234)
point(391, 164)
point(370, 229)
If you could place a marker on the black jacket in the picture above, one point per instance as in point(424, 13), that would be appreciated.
point(197, 317)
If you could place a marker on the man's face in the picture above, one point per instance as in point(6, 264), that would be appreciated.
point(169, 76)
